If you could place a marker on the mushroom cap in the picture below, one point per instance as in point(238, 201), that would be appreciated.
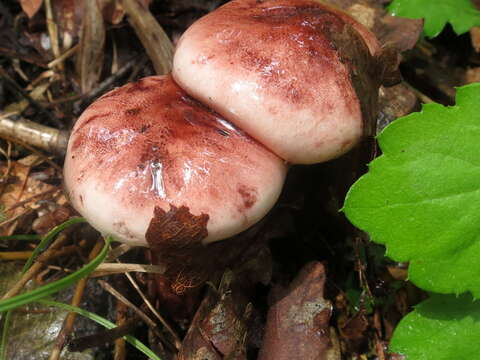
point(288, 72)
point(148, 144)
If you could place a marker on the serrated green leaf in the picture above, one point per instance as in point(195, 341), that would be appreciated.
point(443, 327)
point(437, 13)
point(421, 198)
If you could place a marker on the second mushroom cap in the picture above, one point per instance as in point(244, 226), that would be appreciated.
point(297, 75)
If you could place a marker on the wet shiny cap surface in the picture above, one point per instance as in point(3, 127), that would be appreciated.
point(296, 75)
point(149, 144)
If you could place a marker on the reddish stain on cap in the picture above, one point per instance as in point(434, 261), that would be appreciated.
point(149, 144)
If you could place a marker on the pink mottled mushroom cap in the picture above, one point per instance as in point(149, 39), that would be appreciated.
point(148, 144)
point(297, 75)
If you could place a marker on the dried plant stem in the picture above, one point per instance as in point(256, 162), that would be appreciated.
point(40, 136)
point(112, 268)
point(15, 255)
point(63, 57)
point(156, 42)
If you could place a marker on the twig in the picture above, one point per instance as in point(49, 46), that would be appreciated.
point(63, 57)
point(156, 42)
point(16, 217)
point(27, 132)
point(107, 287)
point(178, 343)
point(103, 86)
point(103, 337)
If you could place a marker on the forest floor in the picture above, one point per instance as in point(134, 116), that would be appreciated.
point(58, 56)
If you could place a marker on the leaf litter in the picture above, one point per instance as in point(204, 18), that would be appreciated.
point(306, 214)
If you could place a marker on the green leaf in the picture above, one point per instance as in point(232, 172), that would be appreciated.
point(421, 198)
point(443, 327)
point(459, 13)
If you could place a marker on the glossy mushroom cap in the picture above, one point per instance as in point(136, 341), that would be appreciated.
point(297, 75)
point(148, 144)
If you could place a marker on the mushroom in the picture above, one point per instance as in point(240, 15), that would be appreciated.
point(293, 80)
point(149, 145)
point(299, 76)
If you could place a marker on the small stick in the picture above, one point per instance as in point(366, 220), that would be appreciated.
point(156, 42)
point(63, 57)
point(104, 86)
point(103, 337)
point(109, 288)
point(178, 343)
point(28, 132)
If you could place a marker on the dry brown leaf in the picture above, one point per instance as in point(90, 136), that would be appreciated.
point(19, 187)
point(31, 7)
point(298, 320)
point(219, 328)
point(175, 236)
